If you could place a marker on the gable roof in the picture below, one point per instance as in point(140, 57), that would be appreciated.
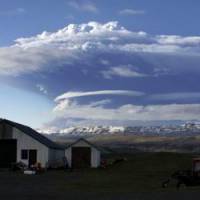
point(83, 140)
point(34, 134)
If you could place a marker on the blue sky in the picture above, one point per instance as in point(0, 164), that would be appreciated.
point(82, 62)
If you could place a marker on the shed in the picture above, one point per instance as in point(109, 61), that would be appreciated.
point(20, 143)
point(83, 154)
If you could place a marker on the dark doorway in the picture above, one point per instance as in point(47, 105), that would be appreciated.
point(32, 157)
point(8, 152)
point(81, 157)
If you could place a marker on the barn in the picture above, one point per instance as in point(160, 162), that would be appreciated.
point(21, 143)
point(83, 154)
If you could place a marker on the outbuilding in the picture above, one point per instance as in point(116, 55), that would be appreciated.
point(83, 154)
point(20, 143)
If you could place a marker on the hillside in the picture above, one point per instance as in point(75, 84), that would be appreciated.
point(135, 143)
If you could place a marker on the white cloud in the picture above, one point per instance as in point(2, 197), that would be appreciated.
point(129, 112)
point(131, 12)
point(101, 102)
point(82, 43)
point(69, 95)
point(66, 102)
point(104, 62)
point(68, 108)
point(62, 105)
point(178, 40)
point(83, 6)
point(42, 88)
point(151, 48)
point(122, 71)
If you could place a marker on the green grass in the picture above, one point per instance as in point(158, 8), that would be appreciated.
point(141, 173)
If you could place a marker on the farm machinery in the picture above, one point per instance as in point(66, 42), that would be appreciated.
point(186, 178)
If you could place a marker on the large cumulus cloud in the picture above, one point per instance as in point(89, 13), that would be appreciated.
point(81, 43)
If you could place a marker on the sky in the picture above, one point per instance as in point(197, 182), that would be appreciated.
point(81, 62)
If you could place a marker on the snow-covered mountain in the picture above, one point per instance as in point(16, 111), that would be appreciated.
point(86, 130)
point(189, 128)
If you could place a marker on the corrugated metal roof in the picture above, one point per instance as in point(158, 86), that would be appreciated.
point(34, 134)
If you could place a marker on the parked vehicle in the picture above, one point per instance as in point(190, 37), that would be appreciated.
point(186, 178)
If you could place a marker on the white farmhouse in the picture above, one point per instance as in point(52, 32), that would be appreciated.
point(22, 143)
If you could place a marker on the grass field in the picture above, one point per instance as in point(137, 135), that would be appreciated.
point(139, 177)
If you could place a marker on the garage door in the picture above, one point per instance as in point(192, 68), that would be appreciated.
point(8, 153)
point(81, 157)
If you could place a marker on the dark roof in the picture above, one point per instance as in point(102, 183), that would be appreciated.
point(84, 140)
point(34, 134)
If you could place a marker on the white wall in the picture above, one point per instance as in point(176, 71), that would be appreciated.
point(95, 154)
point(95, 158)
point(68, 155)
point(26, 142)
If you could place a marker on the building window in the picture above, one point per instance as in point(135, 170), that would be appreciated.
point(24, 154)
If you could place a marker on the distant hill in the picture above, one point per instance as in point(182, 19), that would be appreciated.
point(144, 143)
